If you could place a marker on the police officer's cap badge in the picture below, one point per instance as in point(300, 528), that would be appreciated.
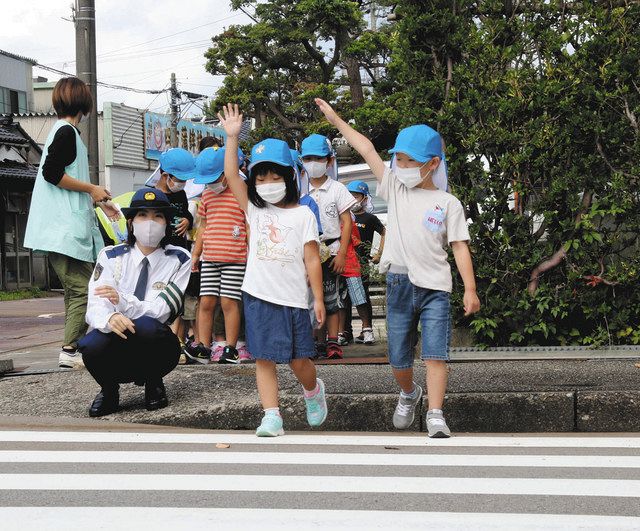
point(149, 196)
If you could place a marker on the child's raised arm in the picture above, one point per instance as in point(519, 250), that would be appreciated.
point(358, 141)
point(232, 123)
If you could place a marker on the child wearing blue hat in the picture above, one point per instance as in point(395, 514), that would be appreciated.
point(334, 202)
point(423, 218)
point(283, 254)
point(177, 166)
point(222, 245)
point(367, 224)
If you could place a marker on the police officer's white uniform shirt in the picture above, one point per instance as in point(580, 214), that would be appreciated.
point(119, 266)
point(333, 199)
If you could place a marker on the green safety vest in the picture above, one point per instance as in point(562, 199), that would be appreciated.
point(62, 221)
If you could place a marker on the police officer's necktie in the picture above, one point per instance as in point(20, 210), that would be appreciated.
point(141, 286)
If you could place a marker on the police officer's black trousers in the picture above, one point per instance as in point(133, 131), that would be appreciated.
point(146, 356)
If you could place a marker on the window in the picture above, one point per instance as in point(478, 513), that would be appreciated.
point(12, 101)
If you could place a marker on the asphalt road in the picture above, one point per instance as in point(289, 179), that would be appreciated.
point(87, 476)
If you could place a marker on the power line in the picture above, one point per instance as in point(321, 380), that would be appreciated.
point(101, 83)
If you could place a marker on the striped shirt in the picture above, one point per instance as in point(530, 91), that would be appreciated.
point(225, 233)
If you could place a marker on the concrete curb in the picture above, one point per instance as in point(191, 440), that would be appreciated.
point(6, 366)
point(484, 397)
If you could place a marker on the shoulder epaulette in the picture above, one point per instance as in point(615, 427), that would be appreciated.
point(179, 253)
point(117, 250)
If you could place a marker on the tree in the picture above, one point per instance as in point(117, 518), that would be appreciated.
point(291, 54)
point(538, 106)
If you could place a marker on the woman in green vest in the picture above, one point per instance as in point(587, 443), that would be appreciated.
point(62, 221)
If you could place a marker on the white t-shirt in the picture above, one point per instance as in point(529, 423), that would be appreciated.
point(420, 225)
point(275, 265)
point(333, 199)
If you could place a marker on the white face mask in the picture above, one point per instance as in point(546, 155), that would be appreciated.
point(149, 232)
point(358, 207)
point(410, 177)
point(273, 192)
point(315, 169)
point(175, 186)
point(217, 187)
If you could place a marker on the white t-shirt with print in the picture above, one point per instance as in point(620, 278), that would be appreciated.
point(420, 225)
point(275, 265)
point(333, 199)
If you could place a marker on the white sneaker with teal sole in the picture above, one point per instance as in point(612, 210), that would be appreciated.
point(317, 406)
point(271, 426)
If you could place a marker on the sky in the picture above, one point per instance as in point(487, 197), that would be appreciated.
point(180, 32)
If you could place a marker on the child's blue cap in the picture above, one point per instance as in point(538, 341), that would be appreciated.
point(178, 162)
point(420, 142)
point(271, 150)
point(358, 187)
point(241, 157)
point(316, 145)
point(209, 165)
point(295, 155)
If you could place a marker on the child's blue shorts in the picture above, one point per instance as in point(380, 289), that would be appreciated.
point(277, 333)
point(408, 305)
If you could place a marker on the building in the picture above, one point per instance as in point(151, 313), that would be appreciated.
point(130, 141)
point(19, 160)
point(42, 92)
point(16, 83)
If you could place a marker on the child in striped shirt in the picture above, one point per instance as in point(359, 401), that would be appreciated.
point(222, 246)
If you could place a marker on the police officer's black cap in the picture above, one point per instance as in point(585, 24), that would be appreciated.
point(149, 198)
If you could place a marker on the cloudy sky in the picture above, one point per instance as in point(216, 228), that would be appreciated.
point(139, 43)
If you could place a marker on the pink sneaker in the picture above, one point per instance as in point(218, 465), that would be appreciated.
point(243, 354)
point(216, 353)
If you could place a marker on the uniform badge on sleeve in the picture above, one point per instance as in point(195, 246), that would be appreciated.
point(159, 286)
point(97, 271)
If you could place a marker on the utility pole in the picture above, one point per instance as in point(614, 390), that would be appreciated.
point(175, 111)
point(85, 23)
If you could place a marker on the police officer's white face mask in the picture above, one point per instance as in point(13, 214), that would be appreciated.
point(149, 232)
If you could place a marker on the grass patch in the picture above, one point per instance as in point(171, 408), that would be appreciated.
point(15, 295)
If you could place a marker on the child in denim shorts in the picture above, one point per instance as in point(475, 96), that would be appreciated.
point(283, 254)
point(423, 218)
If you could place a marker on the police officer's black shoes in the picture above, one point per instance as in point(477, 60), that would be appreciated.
point(105, 402)
point(155, 395)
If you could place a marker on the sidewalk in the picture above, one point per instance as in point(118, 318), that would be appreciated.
point(510, 396)
point(528, 395)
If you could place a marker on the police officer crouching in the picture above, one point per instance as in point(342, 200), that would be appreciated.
point(136, 289)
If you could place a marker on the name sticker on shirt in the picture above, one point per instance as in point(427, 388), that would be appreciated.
point(159, 286)
point(434, 219)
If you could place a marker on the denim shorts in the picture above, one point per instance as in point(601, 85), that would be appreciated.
point(277, 333)
point(408, 306)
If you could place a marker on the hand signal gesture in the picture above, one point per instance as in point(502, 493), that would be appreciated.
point(232, 119)
point(331, 115)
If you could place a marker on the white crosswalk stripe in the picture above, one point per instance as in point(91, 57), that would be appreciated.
point(65, 480)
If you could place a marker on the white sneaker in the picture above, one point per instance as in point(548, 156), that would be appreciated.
point(367, 336)
point(437, 426)
point(70, 360)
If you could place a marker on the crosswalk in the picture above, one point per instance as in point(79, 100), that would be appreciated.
point(120, 480)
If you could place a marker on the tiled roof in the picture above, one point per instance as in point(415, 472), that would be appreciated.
point(19, 57)
point(11, 135)
point(11, 169)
